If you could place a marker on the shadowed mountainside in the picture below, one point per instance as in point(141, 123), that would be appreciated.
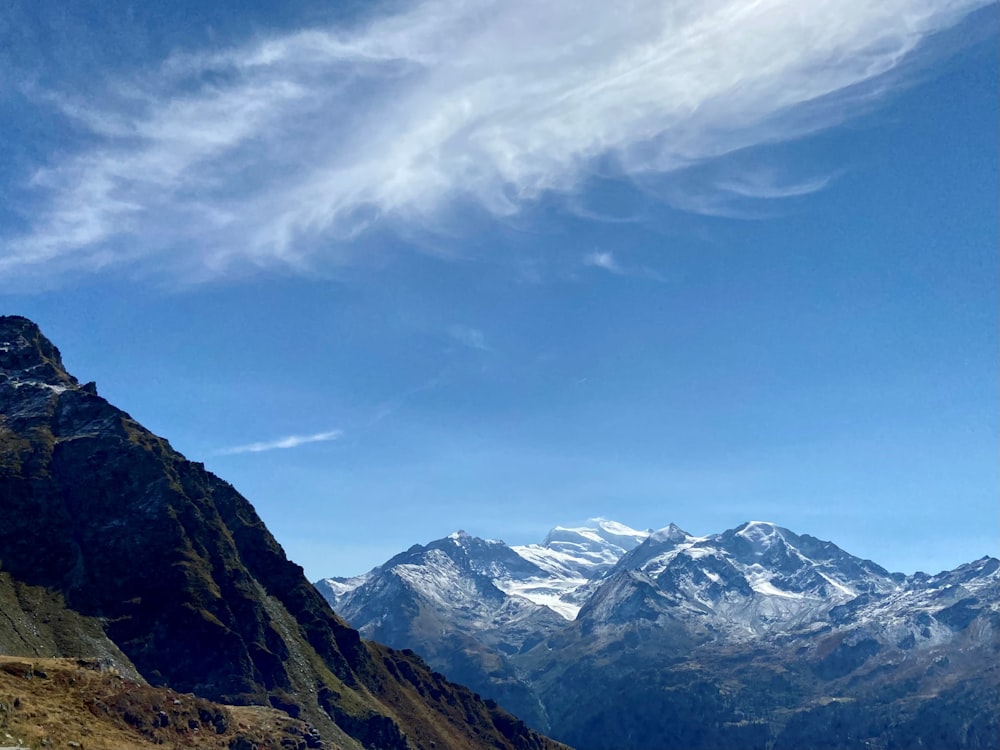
point(173, 575)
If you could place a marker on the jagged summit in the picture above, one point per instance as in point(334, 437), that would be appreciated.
point(463, 537)
point(761, 527)
point(115, 544)
point(760, 532)
point(671, 533)
point(26, 355)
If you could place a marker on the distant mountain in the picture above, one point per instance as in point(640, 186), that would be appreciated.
point(113, 545)
point(607, 637)
point(550, 574)
point(570, 558)
point(445, 600)
point(752, 580)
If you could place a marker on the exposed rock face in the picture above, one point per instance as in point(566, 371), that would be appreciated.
point(185, 578)
point(762, 638)
point(441, 600)
point(35, 621)
point(756, 637)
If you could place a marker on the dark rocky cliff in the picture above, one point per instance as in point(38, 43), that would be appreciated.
point(185, 579)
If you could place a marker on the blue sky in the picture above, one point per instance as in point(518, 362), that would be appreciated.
point(403, 268)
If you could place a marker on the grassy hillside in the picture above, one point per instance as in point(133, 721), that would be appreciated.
point(75, 703)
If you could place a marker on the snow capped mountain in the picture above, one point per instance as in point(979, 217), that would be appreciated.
point(928, 610)
point(557, 573)
point(554, 631)
point(584, 549)
point(746, 581)
point(454, 574)
point(470, 606)
point(570, 560)
point(446, 600)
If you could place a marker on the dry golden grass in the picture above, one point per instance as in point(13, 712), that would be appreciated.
point(72, 703)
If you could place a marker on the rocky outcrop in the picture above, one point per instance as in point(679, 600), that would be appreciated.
point(185, 579)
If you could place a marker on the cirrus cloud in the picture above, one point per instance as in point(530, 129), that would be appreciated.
point(292, 148)
point(290, 441)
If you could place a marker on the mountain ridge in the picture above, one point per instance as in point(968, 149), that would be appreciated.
point(759, 601)
point(176, 570)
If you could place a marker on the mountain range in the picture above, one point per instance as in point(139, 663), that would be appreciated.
point(117, 549)
point(119, 553)
point(604, 636)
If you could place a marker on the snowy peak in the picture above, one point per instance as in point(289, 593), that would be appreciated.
point(451, 585)
point(764, 544)
point(586, 550)
point(558, 574)
point(454, 562)
point(755, 578)
point(758, 539)
point(334, 589)
point(572, 559)
point(658, 548)
point(598, 535)
point(672, 534)
point(761, 535)
point(623, 606)
point(470, 555)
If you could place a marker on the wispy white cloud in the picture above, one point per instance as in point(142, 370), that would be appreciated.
point(291, 441)
point(390, 406)
point(764, 186)
point(603, 259)
point(287, 150)
point(608, 261)
point(472, 338)
point(742, 194)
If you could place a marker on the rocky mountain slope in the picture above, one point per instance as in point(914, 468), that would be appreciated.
point(121, 547)
point(55, 702)
point(470, 605)
point(754, 637)
point(553, 574)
